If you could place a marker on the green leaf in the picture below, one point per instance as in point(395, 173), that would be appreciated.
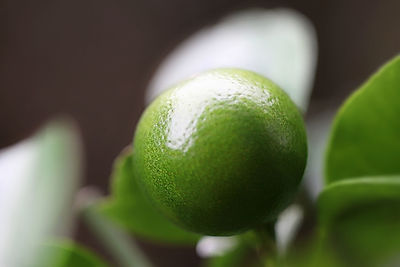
point(39, 177)
point(66, 254)
point(365, 138)
point(130, 208)
point(359, 209)
point(342, 195)
point(360, 220)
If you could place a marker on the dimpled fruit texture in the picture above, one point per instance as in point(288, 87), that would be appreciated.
point(222, 152)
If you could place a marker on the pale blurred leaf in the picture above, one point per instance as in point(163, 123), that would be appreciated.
point(278, 43)
point(38, 178)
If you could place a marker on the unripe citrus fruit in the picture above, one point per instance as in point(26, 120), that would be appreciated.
point(221, 152)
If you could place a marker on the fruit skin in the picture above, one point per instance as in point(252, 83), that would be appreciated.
point(222, 152)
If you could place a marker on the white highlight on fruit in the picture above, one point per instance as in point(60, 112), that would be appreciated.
point(208, 91)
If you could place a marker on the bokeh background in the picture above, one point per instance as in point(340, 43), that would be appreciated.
point(93, 60)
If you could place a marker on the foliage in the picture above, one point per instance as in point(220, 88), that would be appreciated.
point(359, 207)
point(358, 218)
point(64, 253)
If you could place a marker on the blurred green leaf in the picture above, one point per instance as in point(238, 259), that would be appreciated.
point(360, 220)
point(68, 254)
point(365, 135)
point(38, 180)
point(310, 252)
point(129, 208)
point(236, 257)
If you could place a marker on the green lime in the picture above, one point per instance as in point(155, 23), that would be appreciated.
point(222, 152)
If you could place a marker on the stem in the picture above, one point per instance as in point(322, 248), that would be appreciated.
point(123, 248)
point(268, 249)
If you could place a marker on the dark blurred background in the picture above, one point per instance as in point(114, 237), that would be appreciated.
point(93, 60)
